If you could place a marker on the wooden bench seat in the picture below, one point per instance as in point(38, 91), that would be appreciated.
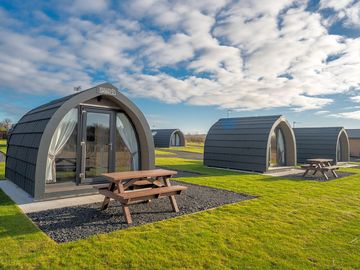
point(326, 168)
point(307, 166)
point(142, 194)
point(329, 168)
point(140, 183)
point(153, 193)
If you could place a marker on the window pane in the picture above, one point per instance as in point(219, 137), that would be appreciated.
point(280, 148)
point(97, 144)
point(126, 145)
point(66, 160)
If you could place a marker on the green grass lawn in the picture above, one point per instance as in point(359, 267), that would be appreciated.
point(163, 152)
point(3, 146)
point(2, 170)
point(190, 147)
point(293, 224)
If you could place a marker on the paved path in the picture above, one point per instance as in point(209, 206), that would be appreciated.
point(182, 154)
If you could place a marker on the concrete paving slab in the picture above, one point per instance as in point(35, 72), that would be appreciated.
point(28, 205)
point(15, 193)
point(284, 172)
point(348, 165)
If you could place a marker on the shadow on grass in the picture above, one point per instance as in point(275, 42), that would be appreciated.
point(13, 223)
point(16, 225)
point(200, 170)
point(299, 177)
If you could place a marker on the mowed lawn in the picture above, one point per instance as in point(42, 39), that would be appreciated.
point(191, 147)
point(3, 146)
point(292, 224)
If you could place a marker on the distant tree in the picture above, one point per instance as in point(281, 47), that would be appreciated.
point(6, 124)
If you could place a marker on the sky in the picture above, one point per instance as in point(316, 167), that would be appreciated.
point(187, 63)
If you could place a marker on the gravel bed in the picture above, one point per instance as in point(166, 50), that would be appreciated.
point(318, 177)
point(78, 222)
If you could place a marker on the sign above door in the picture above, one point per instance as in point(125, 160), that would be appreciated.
point(106, 91)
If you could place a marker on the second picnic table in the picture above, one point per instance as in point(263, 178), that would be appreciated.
point(139, 186)
point(322, 165)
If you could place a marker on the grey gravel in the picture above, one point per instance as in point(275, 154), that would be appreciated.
point(318, 177)
point(78, 222)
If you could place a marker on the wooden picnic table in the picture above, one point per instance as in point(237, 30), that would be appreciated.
point(137, 187)
point(322, 165)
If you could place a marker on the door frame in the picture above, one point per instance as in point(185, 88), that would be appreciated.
point(81, 151)
point(276, 130)
point(82, 117)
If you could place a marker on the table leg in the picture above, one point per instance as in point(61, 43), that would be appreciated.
point(127, 214)
point(324, 174)
point(334, 173)
point(172, 198)
point(316, 166)
point(305, 173)
point(106, 201)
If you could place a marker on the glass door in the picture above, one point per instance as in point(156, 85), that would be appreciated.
point(108, 142)
point(177, 139)
point(272, 150)
point(277, 149)
point(96, 144)
point(339, 151)
point(280, 148)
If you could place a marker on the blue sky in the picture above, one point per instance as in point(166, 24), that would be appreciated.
point(188, 63)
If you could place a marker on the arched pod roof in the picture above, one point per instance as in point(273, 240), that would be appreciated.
point(30, 139)
point(353, 133)
point(321, 142)
point(162, 137)
point(243, 143)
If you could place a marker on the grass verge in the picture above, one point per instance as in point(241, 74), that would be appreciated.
point(2, 170)
point(3, 146)
point(293, 224)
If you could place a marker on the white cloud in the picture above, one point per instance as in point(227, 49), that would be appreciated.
point(322, 112)
point(355, 99)
point(335, 4)
point(347, 11)
point(355, 115)
point(242, 55)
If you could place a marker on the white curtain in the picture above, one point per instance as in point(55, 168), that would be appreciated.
point(280, 148)
point(128, 136)
point(58, 141)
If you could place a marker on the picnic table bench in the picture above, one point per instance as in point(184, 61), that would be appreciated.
point(320, 165)
point(138, 187)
